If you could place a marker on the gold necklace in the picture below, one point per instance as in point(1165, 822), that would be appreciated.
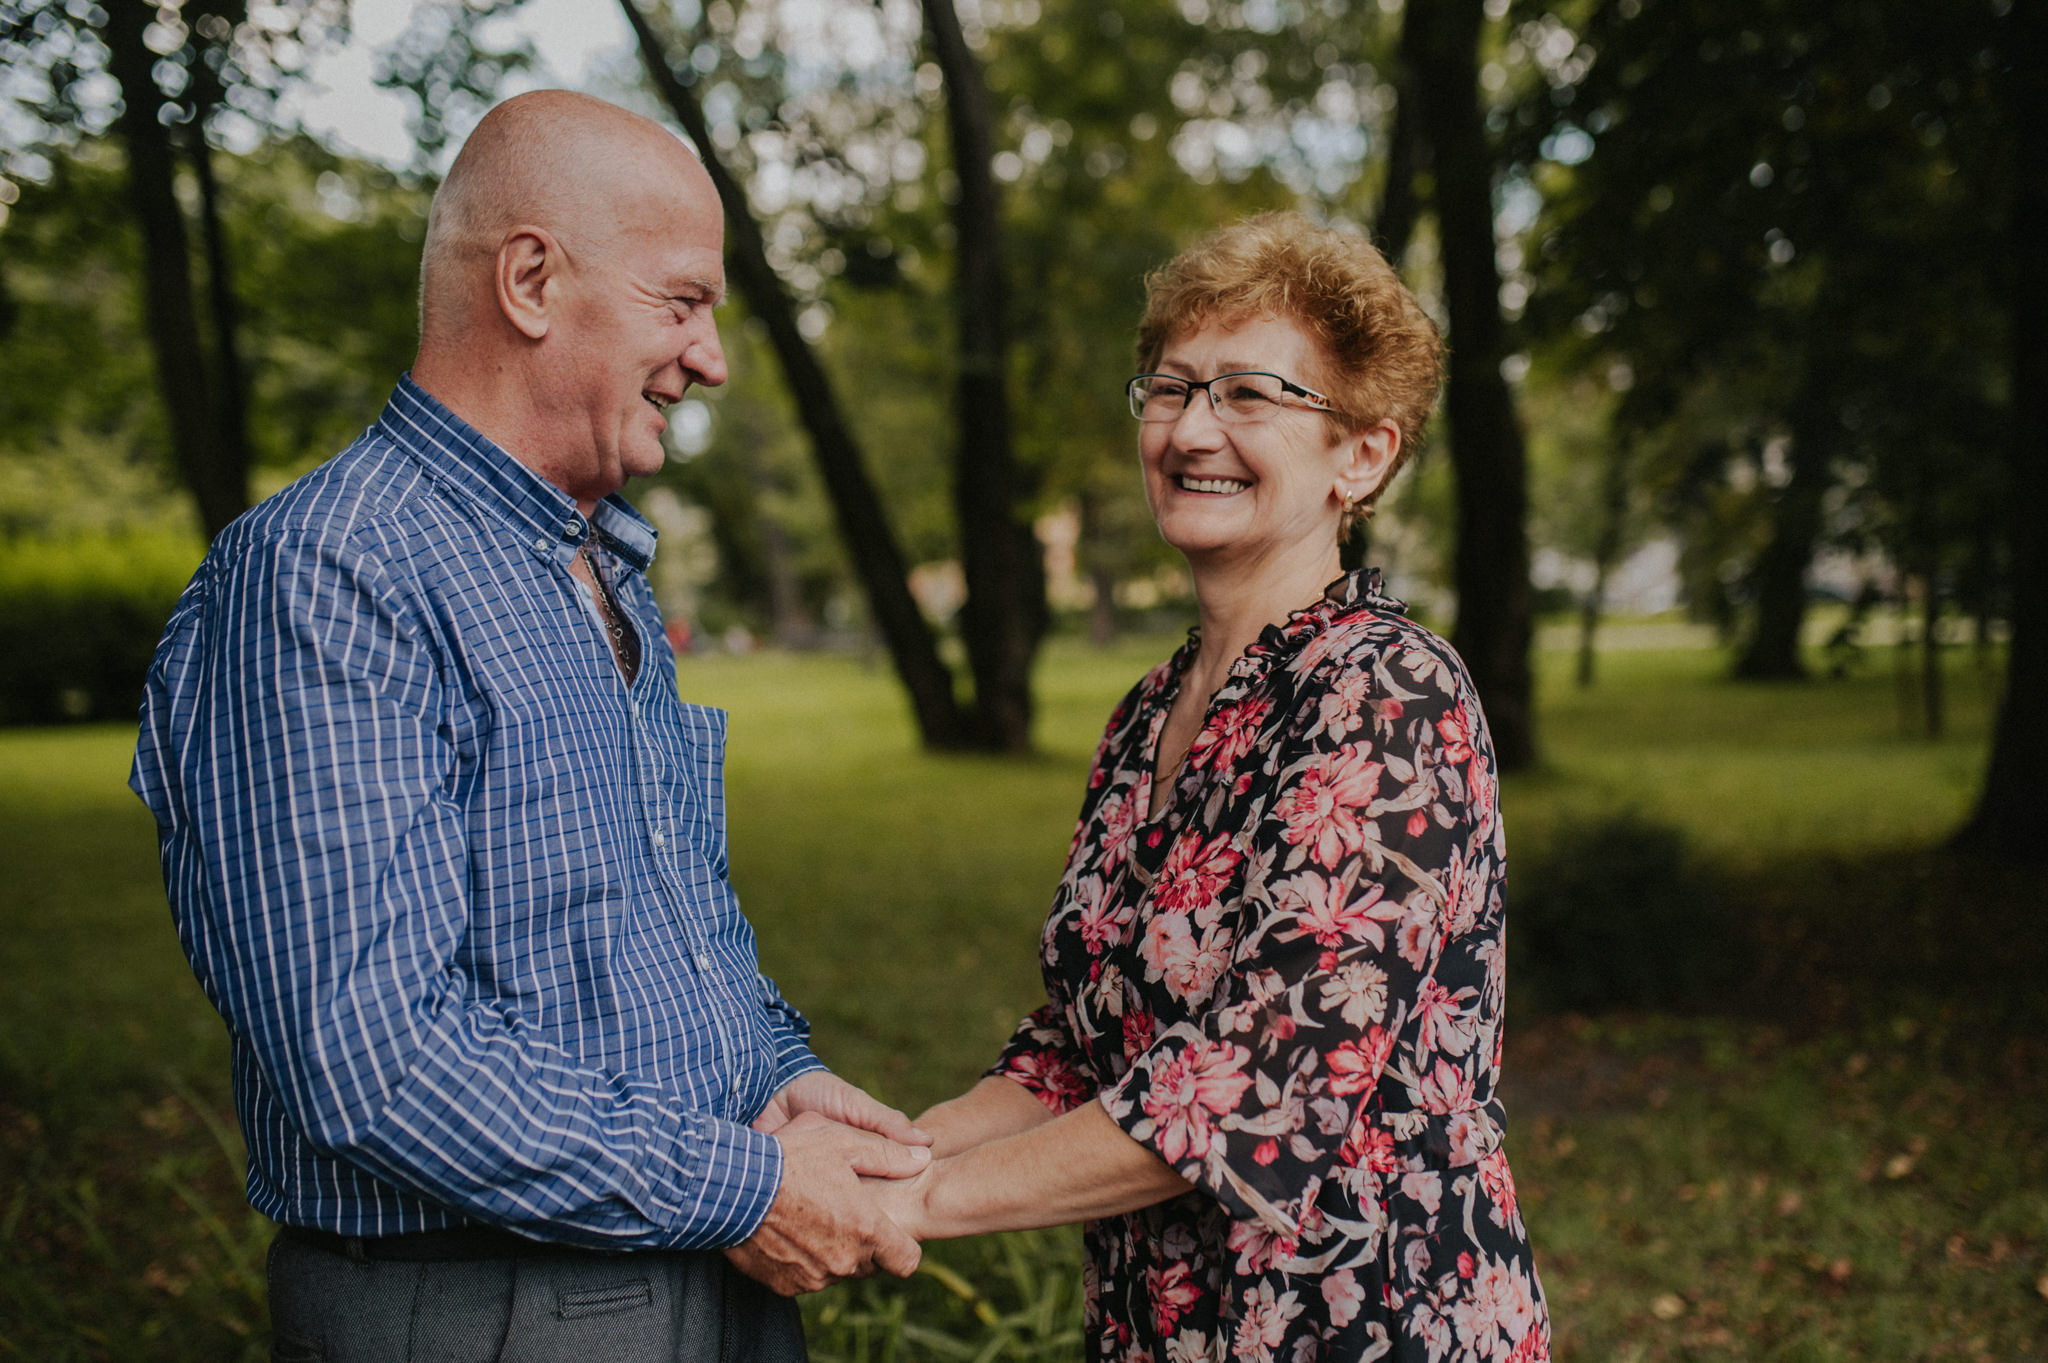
point(625, 645)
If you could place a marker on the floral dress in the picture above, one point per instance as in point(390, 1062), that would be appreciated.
point(1289, 986)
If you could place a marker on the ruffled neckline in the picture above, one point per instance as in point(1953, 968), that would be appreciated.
point(1359, 587)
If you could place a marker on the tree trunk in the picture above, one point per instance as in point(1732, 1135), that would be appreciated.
point(230, 391)
point(1004, 614)
point(1606, 549)
point(2011, 818)
point(1772, 650)
point(1930, 656)
point(863, 527)
point(1393, 222)
point(170, 314)
point(1440, 41)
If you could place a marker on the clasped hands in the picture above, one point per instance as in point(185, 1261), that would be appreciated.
point(825, 1225)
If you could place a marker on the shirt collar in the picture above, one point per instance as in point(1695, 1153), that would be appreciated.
point(546, 518)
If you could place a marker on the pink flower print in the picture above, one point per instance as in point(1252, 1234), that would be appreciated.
point(1229, 735)
point(1258, 1249)
point(1195, 873)
point(1355, 1066)
point(1417, 935)
point(1323, 909)
point(1102, 918)
point(1343, 1295)
point(1189, 967)
point(1193, 1085)
point(1425, 1189)
point(1456, 732)
point(1446, 1088)
point(1368, 1145)
point(1119, 815)
point(1263, 1324)
point(1138, 1033)
point(1357, 991)
point(1480, 784)
point(1323, 807)
point(1465, 886)
point(1047, 1074)
point(1500, 1187)
point(1440, 1014)
point(1339, 710)
point(1172, 1291)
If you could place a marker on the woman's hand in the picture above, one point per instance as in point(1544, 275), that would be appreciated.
point(905, 1201)
point(992, 1109)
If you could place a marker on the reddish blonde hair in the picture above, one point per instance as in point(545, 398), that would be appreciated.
point(1382, 357)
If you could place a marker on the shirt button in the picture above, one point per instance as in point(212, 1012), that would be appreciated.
point(571, 529)
point(540, 543)
point(703, 960)
point(658, 838)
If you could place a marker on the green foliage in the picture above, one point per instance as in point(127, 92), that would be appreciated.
point(1618, 914)
point(80, 620)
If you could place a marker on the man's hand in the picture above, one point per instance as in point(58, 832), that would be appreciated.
point(826, 1094)
point(823, 1227)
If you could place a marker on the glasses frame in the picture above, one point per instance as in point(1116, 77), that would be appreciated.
point(1312, 400)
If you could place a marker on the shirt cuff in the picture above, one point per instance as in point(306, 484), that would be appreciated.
point(738, 1172)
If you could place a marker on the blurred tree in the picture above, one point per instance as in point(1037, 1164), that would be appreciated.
point(327, 281)
point(1004, 613)
point(863, 525)
point(2012, 813)
point(1440, 48)
point(1733, 191)
point(160, 77)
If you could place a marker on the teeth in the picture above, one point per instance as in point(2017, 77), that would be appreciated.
point(1225, 485)
point(659, 404)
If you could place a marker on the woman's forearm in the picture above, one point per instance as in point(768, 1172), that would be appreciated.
point(1073, 1168)
point(994, 1108)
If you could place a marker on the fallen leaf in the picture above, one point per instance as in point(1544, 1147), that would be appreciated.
point(1669, 1306)
point(2041, 1286)
point(1898, 1166)
point(1789, 1202)
point(1839, 1270)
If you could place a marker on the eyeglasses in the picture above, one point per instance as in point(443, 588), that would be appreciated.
point(1235, 398)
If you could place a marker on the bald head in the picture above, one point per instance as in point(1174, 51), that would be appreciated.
point(576, 167)
point(574, 258)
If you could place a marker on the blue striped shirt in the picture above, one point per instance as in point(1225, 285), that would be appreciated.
point(458, 890)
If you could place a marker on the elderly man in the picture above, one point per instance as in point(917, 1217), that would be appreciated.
point(448, 854)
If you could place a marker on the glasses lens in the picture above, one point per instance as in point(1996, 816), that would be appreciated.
point(1154, 397)
point(1246, 397)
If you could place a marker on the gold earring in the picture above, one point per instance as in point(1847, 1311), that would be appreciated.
point(1349, 502)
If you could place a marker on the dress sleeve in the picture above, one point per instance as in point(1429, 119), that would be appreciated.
point(1043, 1056)
point(317, 852)
point(1376, 794)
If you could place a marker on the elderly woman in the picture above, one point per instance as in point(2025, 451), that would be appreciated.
point(1265, 1073)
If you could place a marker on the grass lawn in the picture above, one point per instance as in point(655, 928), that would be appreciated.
point(1844, 1157)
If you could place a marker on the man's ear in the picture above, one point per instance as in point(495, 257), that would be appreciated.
point(526, 277)
point(1368, 456)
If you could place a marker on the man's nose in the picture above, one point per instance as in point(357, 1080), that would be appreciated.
point(704, 358)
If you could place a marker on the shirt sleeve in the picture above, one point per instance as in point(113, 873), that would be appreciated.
point(1379, 791)
point(319, 860)
point(790, 1033)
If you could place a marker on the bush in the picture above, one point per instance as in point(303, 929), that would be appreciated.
point(1617, 913)
point(79, 622)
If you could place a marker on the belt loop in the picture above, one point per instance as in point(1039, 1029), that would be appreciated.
point(358, 1252)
